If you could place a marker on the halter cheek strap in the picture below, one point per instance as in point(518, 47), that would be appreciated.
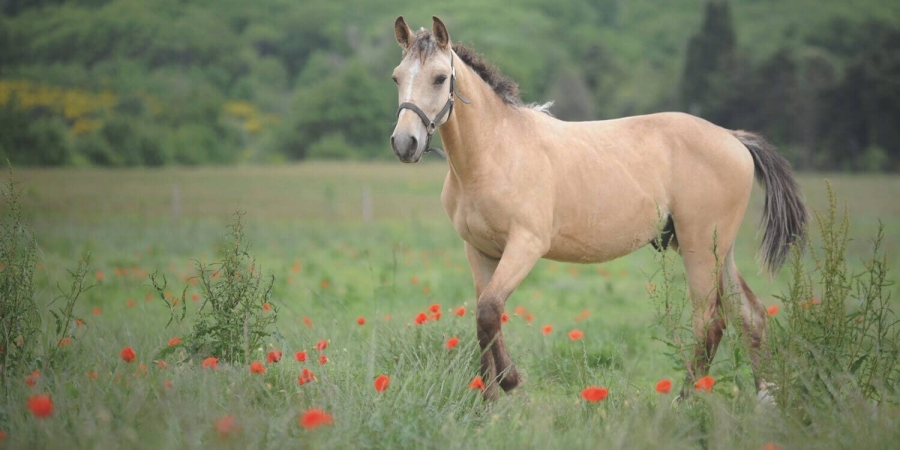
point(432, 124)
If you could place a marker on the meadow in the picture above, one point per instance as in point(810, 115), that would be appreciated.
point(351, 241)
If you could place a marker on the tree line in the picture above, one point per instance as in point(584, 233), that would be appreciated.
point(135, 83)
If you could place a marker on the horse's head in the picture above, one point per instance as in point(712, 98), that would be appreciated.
point(424, 80)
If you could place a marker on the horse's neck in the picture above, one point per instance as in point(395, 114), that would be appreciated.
point(468, 134)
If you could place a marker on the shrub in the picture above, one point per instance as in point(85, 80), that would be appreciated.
point(233, 318)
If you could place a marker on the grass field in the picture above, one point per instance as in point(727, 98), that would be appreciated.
point(337, 257)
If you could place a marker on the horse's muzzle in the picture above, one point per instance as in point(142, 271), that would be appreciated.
point(406, 147)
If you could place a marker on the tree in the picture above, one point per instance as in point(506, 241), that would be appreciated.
point(709, 62)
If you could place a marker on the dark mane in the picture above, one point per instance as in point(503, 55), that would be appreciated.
point(424, 46)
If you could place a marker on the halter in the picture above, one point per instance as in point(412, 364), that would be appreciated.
point(431, 125)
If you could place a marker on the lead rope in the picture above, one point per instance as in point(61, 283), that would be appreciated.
point(431, 125)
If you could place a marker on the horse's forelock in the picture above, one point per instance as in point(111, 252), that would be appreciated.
point(423, 46)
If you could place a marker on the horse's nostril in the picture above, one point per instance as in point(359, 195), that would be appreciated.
point(413, 143)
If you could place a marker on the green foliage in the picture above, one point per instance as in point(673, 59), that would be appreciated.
point(843, 344)
point(235, 315)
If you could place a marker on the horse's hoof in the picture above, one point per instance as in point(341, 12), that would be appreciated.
point(511, 380)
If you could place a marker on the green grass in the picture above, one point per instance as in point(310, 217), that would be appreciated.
point(305, 227)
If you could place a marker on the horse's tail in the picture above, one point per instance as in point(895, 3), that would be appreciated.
point(784, 215)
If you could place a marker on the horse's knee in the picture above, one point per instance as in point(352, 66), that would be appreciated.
point(488, 320)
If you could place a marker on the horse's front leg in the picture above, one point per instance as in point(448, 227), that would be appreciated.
point(517, 260)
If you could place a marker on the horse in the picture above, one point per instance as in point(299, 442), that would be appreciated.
point(523, 185)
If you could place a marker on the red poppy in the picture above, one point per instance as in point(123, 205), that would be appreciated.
point(300, 356)
point(306, 376)
point(414, 280)
point(127, 354)
point(770, 446)
point(461, 311)
point(273, 357)
point(314, 418)
point(130, 303)
point(325, 284)
point(96, 311)
point(594, 393)
point(664, 386)
point(529, 317)
point(32, 378)
point(705, 384)
point(162, 364)
point(575, 335)
point(257, 367)
point(168, 384)
point(382, 382)
point(92, 374)
point(772, 310)
point(546, 329)
point(65, 341)
point(41, 405)
point(195, 297)
point(421, 318)
point(477, 383)
point(174, 341)
point(322, 360)
point(435, 316)
point(2, 436)
point(226, 425)
point(267, 306)
point(504, 318)
point(211, 363)
point(79, 322)
point(99, 276)
point(435, 307)
point(322, 345)
point(361, 320)
point(520, 310)
point(452, 342)
point(307, 322)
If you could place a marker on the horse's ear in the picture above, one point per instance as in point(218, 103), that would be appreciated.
point(404, 34)
point(439, 30)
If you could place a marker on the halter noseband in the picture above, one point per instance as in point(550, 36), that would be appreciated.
point(431, 125)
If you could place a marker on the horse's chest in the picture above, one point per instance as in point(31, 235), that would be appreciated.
point(478, 222)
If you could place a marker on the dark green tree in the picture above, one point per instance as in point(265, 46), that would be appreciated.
point(709, 64)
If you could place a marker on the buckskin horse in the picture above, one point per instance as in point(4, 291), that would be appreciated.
point(523, 185)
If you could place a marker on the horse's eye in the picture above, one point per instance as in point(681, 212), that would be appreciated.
point(440, 79)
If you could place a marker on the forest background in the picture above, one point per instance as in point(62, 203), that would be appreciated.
point(193, 82)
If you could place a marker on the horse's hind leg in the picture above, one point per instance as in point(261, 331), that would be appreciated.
point(708, 322)
point(753, 317)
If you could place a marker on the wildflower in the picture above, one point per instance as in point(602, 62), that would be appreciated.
point(267, 306)
point(195, 297)
point(705, 384)
point(174, 341)
point(127, 354)
point(307, 322)
point(141, 369)
point(584, 315)
point(257, 367)
point(664, 386)
point(65, 341)
point(770, 446)
point(168, 384)
point(504, 318)
point(324, 284)
point(92, 374)
point(477, 383)
point(594, 394)
point(210, 363)
point(529, 318)
point(322, 360)
point(226, 425)
point(300, 356)
point(162, 364)
point(772, 310)
point(32, 378)
point(96, 311)
point(2, 436)
point(41, 405)
point(79, 322)
point(452, 342)
point(99, 275)
point(312, 418)
point(273, 357)
point(421, 318)
point(461, 311)
point(322, 345)
point(435, 307)
point(414, 280)
point(361, 320)
point(306, 376)
point(382, 382)
point(575, 335)
point(130, 303)
point(520, 310)
point(546, 329)
point(435, 316)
